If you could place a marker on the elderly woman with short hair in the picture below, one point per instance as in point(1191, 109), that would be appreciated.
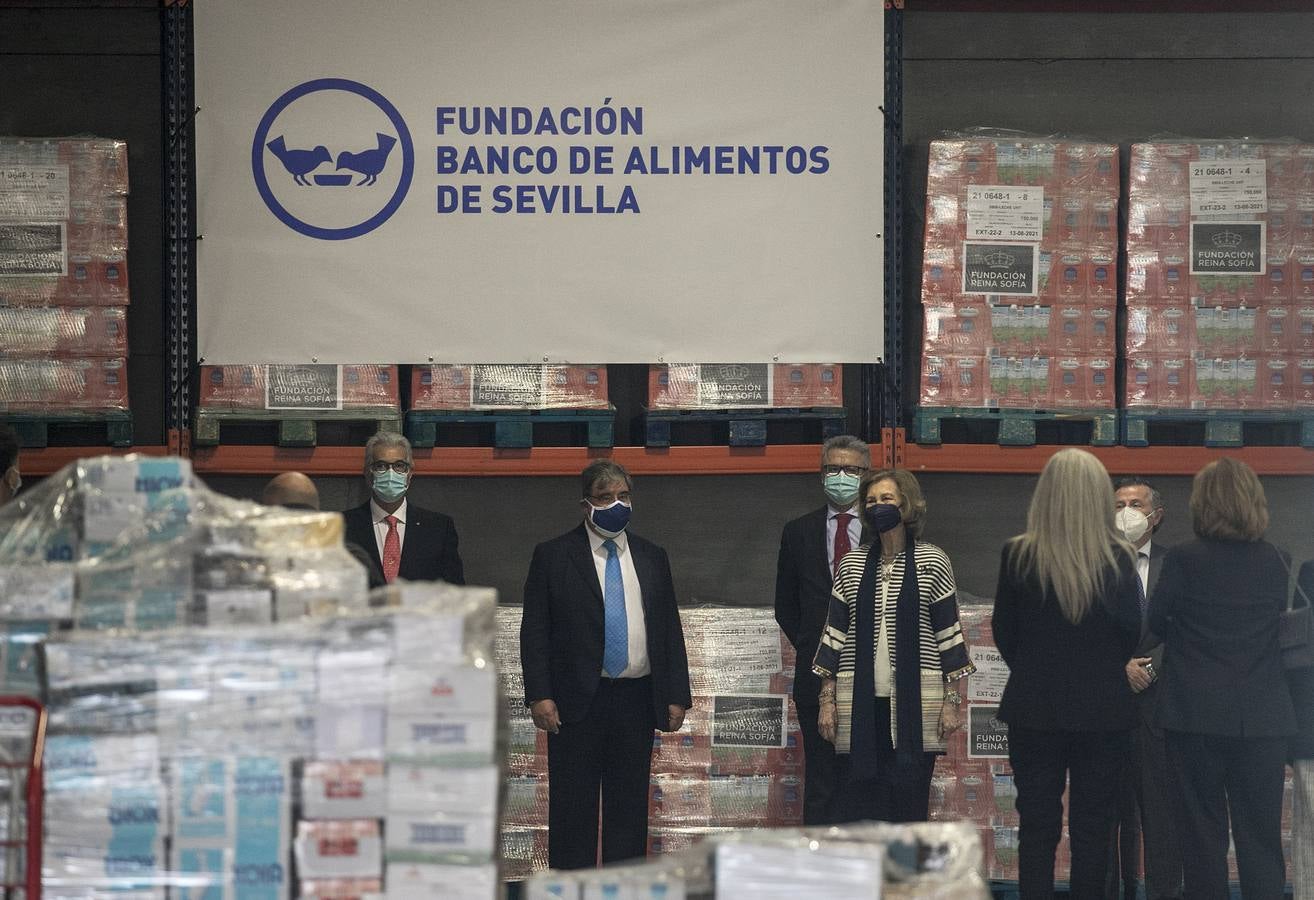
point(889, 657)
point(1224, 703)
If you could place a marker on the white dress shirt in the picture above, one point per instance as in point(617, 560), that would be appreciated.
point(832, 526)
point(638, 643)
point(380, 516)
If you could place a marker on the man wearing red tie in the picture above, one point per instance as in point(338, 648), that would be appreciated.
point(406, 541)
point(811, 547)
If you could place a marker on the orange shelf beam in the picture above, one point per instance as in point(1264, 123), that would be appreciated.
point(49, 460)
point(990, 459)
point(778, 459)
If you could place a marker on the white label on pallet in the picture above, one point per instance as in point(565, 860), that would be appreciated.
point(999, 213)
point(33, 193)
point(1232, 188)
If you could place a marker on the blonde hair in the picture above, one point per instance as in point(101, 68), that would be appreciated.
point(912, 508)
point(1228, 502)
point(1071, 543)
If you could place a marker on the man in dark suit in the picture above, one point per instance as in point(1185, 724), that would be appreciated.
point(811, 547)
point(1140, 515)
point(604, 662)
point(403, 540)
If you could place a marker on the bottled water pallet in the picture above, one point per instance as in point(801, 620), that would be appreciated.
point(295, 429)
point(747, 427)
point(1222, 427)
point(512, 430)
point(83, 429)
point(1017, 427)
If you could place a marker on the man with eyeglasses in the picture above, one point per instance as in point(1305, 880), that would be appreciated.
point(604, 662)
point(405, 541)
point(811, 547)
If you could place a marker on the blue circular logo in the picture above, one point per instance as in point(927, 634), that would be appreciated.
point(332, 194)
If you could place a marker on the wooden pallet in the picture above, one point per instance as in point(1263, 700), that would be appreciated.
point(295, 429)
point(1222, 427)
point(1017, 427)
point(34, 430)
point(512, 429)
point(747, 427)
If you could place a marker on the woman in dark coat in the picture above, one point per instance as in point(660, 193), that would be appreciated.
point(1224, 704)
point(1066, 621)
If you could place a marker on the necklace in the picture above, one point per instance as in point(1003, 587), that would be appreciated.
point(886, 568)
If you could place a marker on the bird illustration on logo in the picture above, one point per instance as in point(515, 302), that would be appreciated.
point(368, 162)
point(300, 163)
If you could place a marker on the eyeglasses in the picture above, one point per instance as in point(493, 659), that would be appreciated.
point(847, 470)
point(400, 466)
point(608, 499)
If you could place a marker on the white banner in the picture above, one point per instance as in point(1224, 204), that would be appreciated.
point(539, 181)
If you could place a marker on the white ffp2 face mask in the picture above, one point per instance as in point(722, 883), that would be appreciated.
point(1132, 523)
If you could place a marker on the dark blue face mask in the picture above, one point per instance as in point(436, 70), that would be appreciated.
point(883, 516)
point(610, 520)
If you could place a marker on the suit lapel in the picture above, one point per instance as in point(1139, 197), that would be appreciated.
point(1156, 563)
point(581, 555)
point(414, 530)
point(815, 538)
point(643, 568)
point(362, 532)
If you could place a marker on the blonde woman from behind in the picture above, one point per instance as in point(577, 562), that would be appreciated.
point(1066, 620)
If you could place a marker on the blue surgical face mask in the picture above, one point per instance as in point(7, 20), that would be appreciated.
point(609, 521)
point(389, 486)
point(842, 489)
point(883, 516)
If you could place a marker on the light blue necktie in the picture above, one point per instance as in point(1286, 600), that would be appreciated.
point(616, 650)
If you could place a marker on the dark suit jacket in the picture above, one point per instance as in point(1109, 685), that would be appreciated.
point(1066, 677)
point(1302, 681)
point(1151, 644)
point(803, 584)
point(429, 552)
point(561, 627)
point(1216, 606)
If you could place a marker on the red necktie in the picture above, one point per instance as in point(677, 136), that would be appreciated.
point(842, 545)
point(391, 551)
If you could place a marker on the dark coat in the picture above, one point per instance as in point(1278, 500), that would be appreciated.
point(1066, 677)
point(1301, 682)
point(803, 587)
point(429, 552)
point(1151, 644)
point(1216, 606)
point(561, 627)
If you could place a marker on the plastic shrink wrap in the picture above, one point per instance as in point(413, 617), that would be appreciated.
point(231, 713)
point(1053, 346)
point(869, 860)
point(63, 275)
point(1200, 337)
point(511, 386)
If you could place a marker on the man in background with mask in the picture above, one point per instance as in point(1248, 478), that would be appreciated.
point(603, 656)
point(1139, 515)
point(10, 480)
point(403, 540)
point(811, 547)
